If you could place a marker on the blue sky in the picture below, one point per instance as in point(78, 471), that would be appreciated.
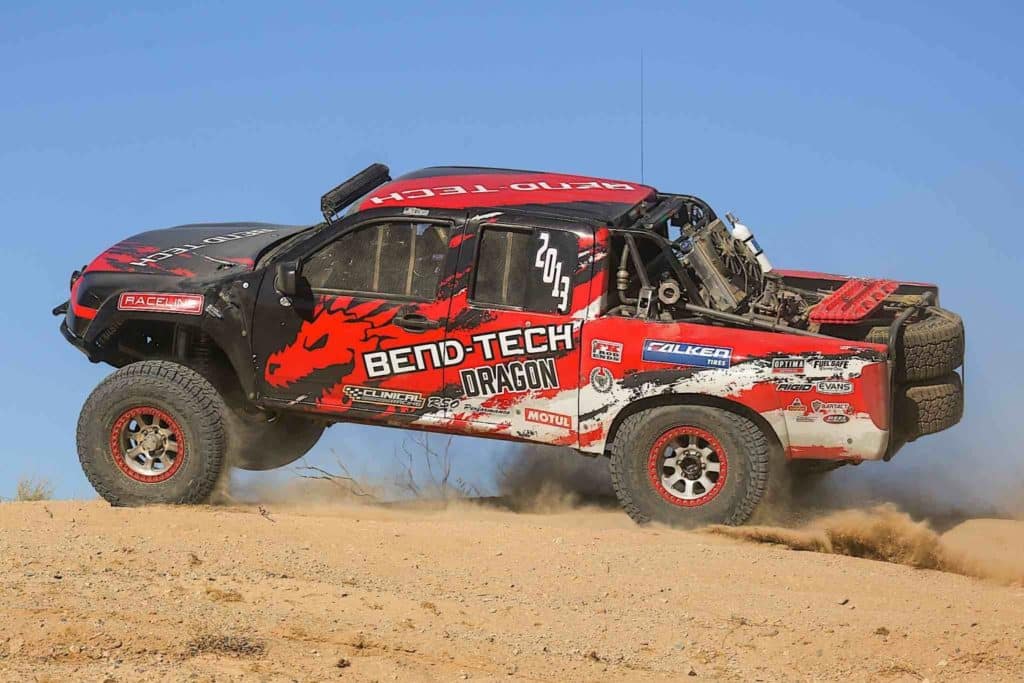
point(869, 138)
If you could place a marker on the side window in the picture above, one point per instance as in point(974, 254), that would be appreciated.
point(526, 269)
point(390, 259)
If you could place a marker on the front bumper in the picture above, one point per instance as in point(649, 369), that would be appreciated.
point(78, 342)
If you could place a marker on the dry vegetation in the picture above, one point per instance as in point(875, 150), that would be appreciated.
point(31, 489)
point(423, 472)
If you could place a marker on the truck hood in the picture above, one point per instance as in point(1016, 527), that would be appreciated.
point(196, 250)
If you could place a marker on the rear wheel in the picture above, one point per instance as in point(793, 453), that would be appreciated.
point(689, 465)
point(151, 433)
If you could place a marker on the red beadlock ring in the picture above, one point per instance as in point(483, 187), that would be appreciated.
point(688, 437)
point(148, 417)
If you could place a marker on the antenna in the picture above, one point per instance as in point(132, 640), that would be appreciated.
point(641, 115)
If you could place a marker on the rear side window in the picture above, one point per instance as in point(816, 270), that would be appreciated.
point(397, 259)
point(525, 269)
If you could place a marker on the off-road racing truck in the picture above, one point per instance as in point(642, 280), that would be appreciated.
point(596, 314)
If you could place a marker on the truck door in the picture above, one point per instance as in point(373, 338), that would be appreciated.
point(367, 340)
point(520, 320)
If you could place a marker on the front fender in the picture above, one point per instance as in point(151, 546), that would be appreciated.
point(225, 316)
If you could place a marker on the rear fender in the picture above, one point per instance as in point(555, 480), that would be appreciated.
point(819, 398)
point(775, 430)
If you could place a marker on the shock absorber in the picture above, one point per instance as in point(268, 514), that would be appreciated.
point(201, 353)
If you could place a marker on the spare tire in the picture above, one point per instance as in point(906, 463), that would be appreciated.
point(929, 407)
point(257, 443)
point(927, 349)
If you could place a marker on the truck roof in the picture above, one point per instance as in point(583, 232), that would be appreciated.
point(473, 187)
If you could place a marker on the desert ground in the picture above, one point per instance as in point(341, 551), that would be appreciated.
point(469, 591)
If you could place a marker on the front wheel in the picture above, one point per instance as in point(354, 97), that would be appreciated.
point(688, 466)
point(151, 432)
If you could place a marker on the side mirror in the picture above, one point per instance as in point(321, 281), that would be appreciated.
point(286, 278)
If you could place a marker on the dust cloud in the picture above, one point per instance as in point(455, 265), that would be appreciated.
point(923, 486)
point(887, 534)
point(549, 479)
point(928, 516)
point(927, 489)
point(893, 512)
point(853, 511)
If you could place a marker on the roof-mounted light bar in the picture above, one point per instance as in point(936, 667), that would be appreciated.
point(371, 177)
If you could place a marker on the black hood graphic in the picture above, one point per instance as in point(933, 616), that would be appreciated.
point(195, 250)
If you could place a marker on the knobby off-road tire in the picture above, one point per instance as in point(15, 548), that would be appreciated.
point(929, 407)
point(642, 471)
point(168, 411)
point(929, 348)
point(255, 443)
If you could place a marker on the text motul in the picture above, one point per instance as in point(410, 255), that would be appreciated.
point(545, 417)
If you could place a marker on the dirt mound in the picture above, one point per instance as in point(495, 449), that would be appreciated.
point(299, 592)
point(886, 534)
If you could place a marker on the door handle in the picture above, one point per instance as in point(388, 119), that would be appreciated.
point(414, 322)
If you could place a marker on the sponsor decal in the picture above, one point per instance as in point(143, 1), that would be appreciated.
point(489, 410)
point(836, 419)
point(442, 403)
point(826, 407)
point(413, 211)
point(511, 377)
point(798, 407)
point(383, 397)
point(793, 386)
point(550, 265)
point(834, 387)
point(186, 304)
point(608, 351)
point(794, 365)
point(150, 259)
point(488, 345)
point(601, 379)
point(480, 188)
point(683, 353)
point(544, 417)
point(833, 365)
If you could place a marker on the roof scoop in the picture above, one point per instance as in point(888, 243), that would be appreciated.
point(371, 177)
